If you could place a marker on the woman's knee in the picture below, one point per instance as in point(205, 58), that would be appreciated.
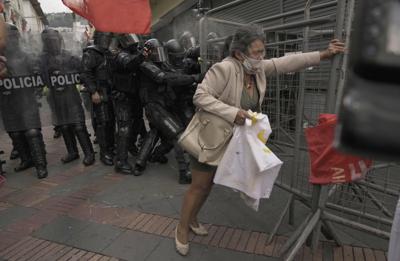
point(201, 189)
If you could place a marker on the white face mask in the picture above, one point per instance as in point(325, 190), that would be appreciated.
point(251, 65)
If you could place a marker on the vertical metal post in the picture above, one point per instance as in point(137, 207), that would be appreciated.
point(203, 28)
point(299, 113)
point(278, 104)
point(342, 79)
point(320, 193)
point(335, 69)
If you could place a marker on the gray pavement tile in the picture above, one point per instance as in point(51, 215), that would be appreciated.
point(220, 254)
point(95, 237)
point(13, 214)
point(20, 180)
point(133, 246)
point(61, 229)
point(265, 258)
point(80, 181)
point(166, 252)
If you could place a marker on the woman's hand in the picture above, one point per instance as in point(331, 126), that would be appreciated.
point(335, 47)
point(241, 117)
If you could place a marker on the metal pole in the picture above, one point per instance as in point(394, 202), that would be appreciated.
point(376, 201)
point(355, 225)
point(335, 69)
point(379, 188)
point(306, 22)
point(294, 12)
point(309, 22)
point(280, 219)
point(342, 79)
point(299, 117)
point(225, 6)
point(307, 231)
point(203, 43)
point(354, 212)
point(221, 21)
point(295, 235)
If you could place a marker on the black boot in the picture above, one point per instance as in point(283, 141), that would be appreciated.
point(41, 171)
point(144, 152)
point(87, 147)
point(70, 143)
point(107, 159)
point(185, 176)
point(14, 154)
point(21, 145)
point(38, 152)
point(123, 141)
point(106, 156)
point(133, 149)
point(24, 165)
point(160, 152)
point(57, 132)
point(123, 167)
point(138, 170)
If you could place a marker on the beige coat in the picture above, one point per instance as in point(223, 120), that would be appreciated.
point(221, 90)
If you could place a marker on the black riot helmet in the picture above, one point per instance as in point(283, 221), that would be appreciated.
point(102, 39)
point(187, 40)
point(157, 54)
point(175, 52)
point(128, 42)
point(52, 41)
point(214, 50)
point(212, 35)
point(13, 39)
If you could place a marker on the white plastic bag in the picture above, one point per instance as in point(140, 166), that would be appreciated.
point(248, 165)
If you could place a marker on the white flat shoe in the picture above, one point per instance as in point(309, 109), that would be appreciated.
point(199, 231)
point(183, 249)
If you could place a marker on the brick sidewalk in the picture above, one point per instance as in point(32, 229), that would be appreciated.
point(17, 243)
point(72, 215)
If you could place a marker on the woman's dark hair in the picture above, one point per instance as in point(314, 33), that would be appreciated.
point(244, 36)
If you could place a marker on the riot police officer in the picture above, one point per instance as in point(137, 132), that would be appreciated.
point(97, 80)
point(183, 107)
point(157, 80)
point(20, 111)
point(69, 116)
point(128, 110)
point(187, 40)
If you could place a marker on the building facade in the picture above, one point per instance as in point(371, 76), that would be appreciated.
point(27, 15)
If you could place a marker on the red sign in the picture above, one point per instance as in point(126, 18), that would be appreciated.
point(327, 164)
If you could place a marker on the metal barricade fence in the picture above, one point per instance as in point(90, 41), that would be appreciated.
point(293, 102)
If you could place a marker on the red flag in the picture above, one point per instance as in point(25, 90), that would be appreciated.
point(1, 6)
point(327, 164)
point(117, 16)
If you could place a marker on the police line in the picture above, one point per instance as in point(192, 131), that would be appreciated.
point(38, 81)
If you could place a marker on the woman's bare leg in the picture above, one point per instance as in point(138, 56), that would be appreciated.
point(194, 198)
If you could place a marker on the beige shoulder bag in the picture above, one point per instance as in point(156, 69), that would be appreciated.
point(206, 137)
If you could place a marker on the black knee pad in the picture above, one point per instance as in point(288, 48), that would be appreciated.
point(79, 127)
point(16, 135)
point(166, 124)
point(33, 133)
point(123, 131)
